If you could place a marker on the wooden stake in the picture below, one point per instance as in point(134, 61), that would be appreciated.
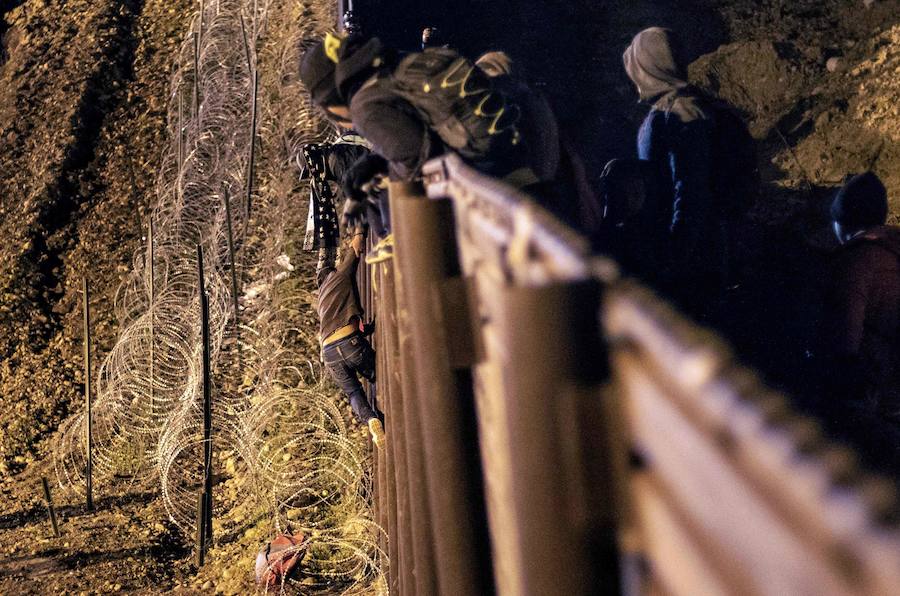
point(50, 508)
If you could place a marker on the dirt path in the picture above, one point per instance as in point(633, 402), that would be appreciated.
point(124, 546)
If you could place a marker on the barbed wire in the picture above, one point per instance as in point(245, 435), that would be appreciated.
point(286, 427)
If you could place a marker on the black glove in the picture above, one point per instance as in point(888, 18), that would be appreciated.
point(368, 328)
point(353, 214)
point(362, 171)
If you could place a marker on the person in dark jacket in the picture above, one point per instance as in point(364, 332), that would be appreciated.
point(678, 136)
point(365, 93)
point(347, 353)
point(861, 335)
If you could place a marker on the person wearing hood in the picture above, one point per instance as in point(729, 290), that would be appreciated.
point(861, 326)
point(680, 136)
point(360, 181)
point(417, 107)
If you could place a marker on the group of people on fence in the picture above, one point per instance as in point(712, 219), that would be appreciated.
point(667, 216)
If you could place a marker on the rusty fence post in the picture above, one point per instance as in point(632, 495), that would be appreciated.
point(553, 365)
point(88, 398)
point(389, 484)
point(425, 576)
point(426, 255)
point(51, 511)
point(206, 507)
point(397, 448)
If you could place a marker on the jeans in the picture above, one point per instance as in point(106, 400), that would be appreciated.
point(347, 358)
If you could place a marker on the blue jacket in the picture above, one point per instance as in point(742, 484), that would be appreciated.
point(683, 154)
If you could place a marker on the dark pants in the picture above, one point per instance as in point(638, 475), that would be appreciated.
point(347, 358)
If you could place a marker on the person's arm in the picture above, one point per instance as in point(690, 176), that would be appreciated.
point(350, 261)
point(394, 128)
point(690, 162)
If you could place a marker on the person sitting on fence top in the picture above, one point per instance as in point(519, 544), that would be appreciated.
point(413, 109)
point(347, 353)
point(707, 160)
point(861, 326)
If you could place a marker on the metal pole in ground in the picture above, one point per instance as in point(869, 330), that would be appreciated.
point(197, 78)
point(251, 162)
point(151, 248)
point(553, 365)
point(427, 259)
point(234, 283)
point(50, 509)
point(180, 142)
point(207, 400)
point(89, 423)
point(246, 43)
point(201, 535)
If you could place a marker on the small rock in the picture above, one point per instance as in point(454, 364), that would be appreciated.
point(834, 64)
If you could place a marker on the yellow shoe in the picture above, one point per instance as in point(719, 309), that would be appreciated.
point(382, 251)
point(377, 431)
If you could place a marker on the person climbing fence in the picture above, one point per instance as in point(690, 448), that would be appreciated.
point(346, 351)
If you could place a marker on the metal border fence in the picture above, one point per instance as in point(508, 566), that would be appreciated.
point(554, 428)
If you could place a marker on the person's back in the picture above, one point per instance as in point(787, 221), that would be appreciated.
point(683, 135)
point(423, 104)
point(863, 306)
point(338, 303)
point(861, 333)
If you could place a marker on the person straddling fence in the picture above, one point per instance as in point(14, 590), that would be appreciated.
point(347, 353)
point(706, 158)
point(417, 107)
point(861, 323)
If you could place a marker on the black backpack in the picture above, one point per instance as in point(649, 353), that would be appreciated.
point(459, 102)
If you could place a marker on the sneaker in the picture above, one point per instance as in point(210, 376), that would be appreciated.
point(377, 431)
point(382, 251)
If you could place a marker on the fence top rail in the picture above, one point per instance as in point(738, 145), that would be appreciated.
point(535, 246)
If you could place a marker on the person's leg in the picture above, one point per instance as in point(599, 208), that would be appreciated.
point(345, 376)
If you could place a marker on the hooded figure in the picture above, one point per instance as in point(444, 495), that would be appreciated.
point(678, 137)
point(861, 334)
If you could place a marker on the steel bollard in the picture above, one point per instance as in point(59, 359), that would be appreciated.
point(552, 367)
point(420, 520)
point(426, 256)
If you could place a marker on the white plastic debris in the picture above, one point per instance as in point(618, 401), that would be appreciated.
point(284, 262)
point(254, 291)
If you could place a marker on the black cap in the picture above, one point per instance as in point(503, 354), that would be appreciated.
point(861, 202)
point(317, 74)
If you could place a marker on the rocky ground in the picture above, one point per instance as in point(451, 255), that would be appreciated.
point(83, 88)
